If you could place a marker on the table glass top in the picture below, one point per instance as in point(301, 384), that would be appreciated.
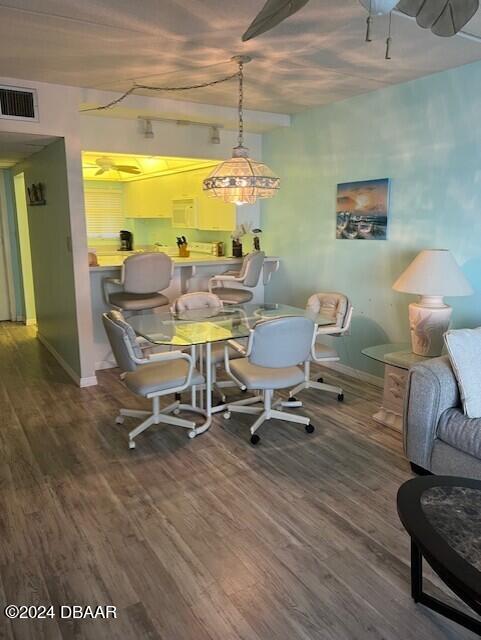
point(201, 326)
point(397, 354)
point(455, 513)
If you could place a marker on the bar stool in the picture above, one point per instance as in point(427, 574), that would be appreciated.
point(144, 276)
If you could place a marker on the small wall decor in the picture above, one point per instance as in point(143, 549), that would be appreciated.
point(36, 195)
point(362, 210)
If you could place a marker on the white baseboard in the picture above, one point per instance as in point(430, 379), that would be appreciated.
point(104, 364)
point(355, 373)
point(81, 382)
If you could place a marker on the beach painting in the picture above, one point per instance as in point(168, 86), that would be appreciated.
point(362, 210)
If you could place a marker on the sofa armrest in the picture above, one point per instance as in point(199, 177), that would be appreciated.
point(431, 389)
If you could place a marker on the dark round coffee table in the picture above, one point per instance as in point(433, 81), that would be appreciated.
point(442, 514)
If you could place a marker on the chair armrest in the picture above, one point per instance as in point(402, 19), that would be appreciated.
point(329, 330)
point(226, 277)
point(431, 389)
point(168, 355)
point(220, 279)
point(237, 346)
point(173, 355)
point(106, 285)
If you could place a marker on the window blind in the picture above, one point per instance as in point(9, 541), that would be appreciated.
point(104, 210)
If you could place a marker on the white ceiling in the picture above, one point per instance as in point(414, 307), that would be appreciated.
point(15, 147)
point(317, 56)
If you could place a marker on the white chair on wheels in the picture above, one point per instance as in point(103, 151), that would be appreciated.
point(337, 307)
point(274, 351)
point(248, 278)
point(144, 277)
point(211, 303)
point(153, 377)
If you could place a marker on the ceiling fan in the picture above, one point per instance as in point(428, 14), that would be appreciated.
point(105, 164)
point(443, 17)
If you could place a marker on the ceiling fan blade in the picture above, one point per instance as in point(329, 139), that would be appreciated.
point(127, 168)
point(100, 172)
point(271, 14)
point(444, 18)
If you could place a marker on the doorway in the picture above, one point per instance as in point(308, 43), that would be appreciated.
point(5, 293)
point(24, 245)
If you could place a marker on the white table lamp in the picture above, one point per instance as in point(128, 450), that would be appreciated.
point(434, 273)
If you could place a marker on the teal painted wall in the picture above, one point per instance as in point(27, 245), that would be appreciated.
point(52, 262)
point(426, 136)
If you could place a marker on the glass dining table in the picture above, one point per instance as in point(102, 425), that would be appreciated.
point(203, 327)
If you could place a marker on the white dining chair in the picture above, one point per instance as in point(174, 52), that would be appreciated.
point(337, 307)
point(158, 375)
point(144, 277)
point(269, 363)
point(210, 302)
point(246, 280)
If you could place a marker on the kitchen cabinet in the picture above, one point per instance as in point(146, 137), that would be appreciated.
point(212, 214)
point(149, 198)
point(156, 197)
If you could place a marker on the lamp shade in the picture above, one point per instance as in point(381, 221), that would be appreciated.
point(434, 272)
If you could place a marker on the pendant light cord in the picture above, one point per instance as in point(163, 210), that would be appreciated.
point(145, 87)
point(240, 73)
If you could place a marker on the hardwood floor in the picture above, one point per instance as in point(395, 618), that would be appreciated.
point(205, 539)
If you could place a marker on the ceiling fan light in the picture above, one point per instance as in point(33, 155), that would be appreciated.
point(379, 7)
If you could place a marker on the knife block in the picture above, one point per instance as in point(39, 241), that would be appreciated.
point(184, 251)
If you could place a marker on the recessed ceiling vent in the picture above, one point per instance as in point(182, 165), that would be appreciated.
point(18, 103)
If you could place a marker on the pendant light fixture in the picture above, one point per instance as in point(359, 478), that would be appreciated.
point(241, 180)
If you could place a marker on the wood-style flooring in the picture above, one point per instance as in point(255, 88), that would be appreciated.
point(205, 539)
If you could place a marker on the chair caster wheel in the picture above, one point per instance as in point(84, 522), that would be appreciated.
point(310, 428)
point(131, 444)
point(176, 412)
point(293, 399)
point(192, 433)
point(119, 420)
point(227, 415)
point(340, 397)
point(255, 439)
point(321, 380)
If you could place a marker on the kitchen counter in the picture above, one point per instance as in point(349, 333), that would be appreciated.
point(108, 263)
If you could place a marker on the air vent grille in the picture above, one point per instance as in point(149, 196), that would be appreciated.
point(16, 103)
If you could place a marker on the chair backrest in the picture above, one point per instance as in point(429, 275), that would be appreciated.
point(118, 331)
point(282, 342)
point(252, 268)
point(197, 300)
point(147, 272)
point(332, 305)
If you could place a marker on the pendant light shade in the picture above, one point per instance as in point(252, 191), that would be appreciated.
point(379, 7)
point(241, 180)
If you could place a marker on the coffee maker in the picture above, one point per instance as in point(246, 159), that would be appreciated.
point(126, 240)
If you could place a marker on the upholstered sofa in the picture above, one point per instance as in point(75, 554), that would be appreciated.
point(438, 437)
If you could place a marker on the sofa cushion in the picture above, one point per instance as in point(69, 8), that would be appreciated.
point(464, 349)
point(461, 432)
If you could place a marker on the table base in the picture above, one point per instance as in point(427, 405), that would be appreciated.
point(418, 595)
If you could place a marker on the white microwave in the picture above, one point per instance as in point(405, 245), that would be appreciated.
point(184, 213)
